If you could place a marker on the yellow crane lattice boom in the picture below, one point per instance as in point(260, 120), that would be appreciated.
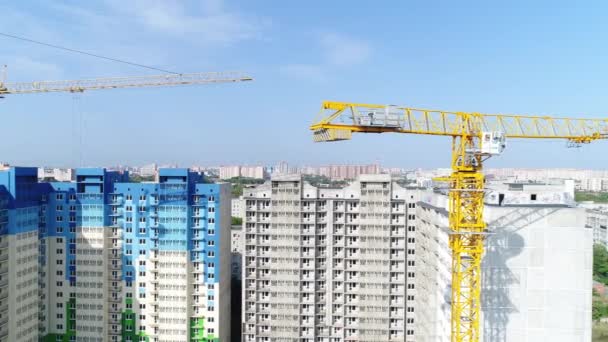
point(338, 120)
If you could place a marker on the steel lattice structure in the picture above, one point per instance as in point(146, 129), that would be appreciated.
point(338, 120)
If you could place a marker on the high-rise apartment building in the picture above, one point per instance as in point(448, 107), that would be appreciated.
point(329, 264)
point(102, 259)
point(597, 220)
point(371, 262)
point(227, 172)
point(536, 271)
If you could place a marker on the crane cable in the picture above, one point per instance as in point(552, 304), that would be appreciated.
point(88, 53)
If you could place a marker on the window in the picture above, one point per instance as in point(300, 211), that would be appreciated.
point(211, 232)
point(59, 208)
point(59, 251)
point(211, 254)
point(211, 243)
point(59, 229)
point(142, 197)
point(211, 220)
point(59, 294)
point(59, 197)
point(533, 197)
point(59, 218)
point(129, 197)
point(59, 262)
point(142, 219)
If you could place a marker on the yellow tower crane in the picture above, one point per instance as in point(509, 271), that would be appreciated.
point(475, 138)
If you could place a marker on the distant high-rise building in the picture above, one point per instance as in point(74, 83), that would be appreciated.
point(148, 170)
point(227, 172)
point(253, 172)
point(102, 259)
point(238, 207)
point(597, 219)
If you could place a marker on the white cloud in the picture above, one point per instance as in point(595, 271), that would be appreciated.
point(207, 22)
point(306, 72)
point(344, 51)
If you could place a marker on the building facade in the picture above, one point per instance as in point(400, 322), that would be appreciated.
point(536, 270)
point(597, 220)
point(238, 207)
point(329, 264)
point(102, 259)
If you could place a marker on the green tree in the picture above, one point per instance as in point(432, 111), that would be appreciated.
point(600, 264)
point(237, 221)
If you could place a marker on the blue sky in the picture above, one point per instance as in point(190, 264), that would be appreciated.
point(542, 57)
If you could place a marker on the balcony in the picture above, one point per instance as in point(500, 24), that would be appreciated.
point(117, 212)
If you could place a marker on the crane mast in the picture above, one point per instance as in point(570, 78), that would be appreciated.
point(475, 138)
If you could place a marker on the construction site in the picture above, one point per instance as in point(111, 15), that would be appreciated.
point(102, 256)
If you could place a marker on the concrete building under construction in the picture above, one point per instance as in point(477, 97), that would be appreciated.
point(371, 262)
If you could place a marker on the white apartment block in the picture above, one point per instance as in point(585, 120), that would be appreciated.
point(536, 273)
point(252, 172)
point(227, 172)
point(597, 220)
point(329, 264)
point(238, 207)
